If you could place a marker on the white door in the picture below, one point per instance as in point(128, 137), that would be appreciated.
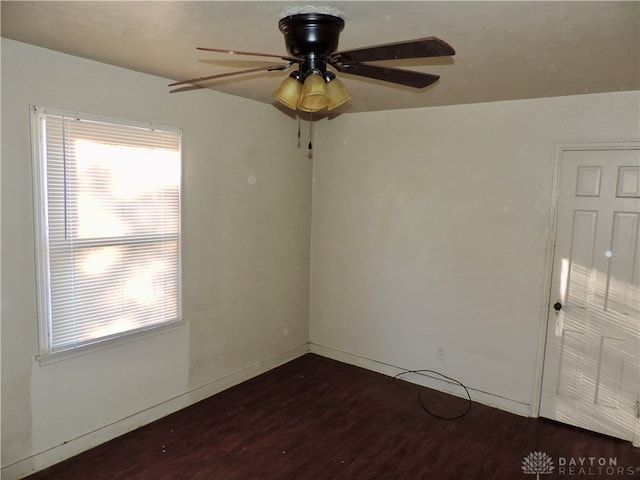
point(591, 373)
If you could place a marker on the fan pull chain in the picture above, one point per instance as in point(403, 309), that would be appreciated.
point(299, 121)
point(310, 146)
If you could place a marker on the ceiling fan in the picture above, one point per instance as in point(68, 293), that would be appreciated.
point(312, 40)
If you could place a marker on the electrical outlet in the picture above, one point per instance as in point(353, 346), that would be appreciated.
point(440, 353)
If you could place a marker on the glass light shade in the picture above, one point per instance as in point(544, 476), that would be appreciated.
point(288, 93)
point(338, 94)
point(314, 94)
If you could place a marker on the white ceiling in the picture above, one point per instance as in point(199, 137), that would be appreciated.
point(505, 50)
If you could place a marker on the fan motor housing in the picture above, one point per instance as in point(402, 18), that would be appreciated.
point(311, 33)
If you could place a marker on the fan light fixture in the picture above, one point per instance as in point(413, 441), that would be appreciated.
point(313, 92)
point(288, 93)
point(338, 93)
point(314, 96)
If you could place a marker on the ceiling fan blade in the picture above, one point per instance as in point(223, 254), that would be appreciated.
point(418, 48)
point(230, 74)
point(186, 88)
point(252, 54)
point(393, 75)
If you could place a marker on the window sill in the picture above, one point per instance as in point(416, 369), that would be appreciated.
point(50, 358)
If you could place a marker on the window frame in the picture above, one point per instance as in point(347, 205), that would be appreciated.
point(47, 353)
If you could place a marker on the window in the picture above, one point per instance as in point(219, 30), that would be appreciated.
point(107, 198)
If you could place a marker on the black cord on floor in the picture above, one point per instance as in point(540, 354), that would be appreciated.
point(424, 407)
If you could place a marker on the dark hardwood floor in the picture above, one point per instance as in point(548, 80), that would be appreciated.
point(318, 419)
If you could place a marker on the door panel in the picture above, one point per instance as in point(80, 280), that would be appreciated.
point(591, 372)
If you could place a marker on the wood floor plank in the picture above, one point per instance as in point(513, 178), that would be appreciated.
point(316, 419)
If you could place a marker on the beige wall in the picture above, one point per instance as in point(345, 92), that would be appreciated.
point(430, 232)
point(246, 227)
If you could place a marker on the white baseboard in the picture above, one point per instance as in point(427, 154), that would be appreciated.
point(51, 456)
point(485, 398)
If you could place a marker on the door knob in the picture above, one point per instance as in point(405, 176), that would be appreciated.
point(557, 306)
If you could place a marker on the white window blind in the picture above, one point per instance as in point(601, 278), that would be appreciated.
point(109, 199)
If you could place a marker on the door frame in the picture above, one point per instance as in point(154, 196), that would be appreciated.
point(545, 316)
